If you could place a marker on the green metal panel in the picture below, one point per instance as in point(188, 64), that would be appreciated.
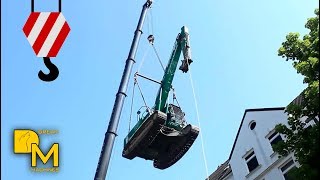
point(135, 128)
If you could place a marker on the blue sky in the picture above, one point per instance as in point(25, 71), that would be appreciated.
point(234, 47)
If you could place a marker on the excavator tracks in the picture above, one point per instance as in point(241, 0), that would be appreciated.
point(150, 143)
point(176, 153)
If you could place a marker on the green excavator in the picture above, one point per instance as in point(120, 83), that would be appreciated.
point(162, 133)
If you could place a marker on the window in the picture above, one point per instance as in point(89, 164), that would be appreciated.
point(251, 161)
point(287, 170)
point(274, 138)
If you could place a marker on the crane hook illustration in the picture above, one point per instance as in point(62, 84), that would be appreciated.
point(53, 71)
point(46, 33)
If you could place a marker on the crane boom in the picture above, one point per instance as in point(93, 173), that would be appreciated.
point(111, 133)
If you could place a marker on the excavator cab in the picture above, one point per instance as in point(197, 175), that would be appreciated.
point(175, 117)
point(162, 133)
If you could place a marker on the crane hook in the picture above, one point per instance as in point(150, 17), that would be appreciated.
point(53, 71)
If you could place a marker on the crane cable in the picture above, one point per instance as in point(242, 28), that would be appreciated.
point(158, 57)
point(198, 117)
point(151, 40)
point(149, 21)
point(145, 103)
point(143, 58)
point(134, 85)
point(151, 17)
point(148, 48)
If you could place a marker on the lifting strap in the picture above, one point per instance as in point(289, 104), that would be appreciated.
point(158, 57)
point(132, 99)
point(151, 41)
point(145, 103)
point(174, 97)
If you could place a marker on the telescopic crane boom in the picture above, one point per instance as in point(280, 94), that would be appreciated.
point(111, 133)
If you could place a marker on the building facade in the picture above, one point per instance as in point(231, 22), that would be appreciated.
point(252, 156)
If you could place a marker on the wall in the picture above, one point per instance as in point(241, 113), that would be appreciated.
point(256, 139)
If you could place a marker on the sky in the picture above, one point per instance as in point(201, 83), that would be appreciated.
point(235, 67)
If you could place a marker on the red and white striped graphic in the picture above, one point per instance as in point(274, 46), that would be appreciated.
point(46, 32)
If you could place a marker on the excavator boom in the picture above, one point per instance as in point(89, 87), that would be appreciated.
point(181, 44)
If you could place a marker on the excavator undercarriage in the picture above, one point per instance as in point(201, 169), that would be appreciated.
point(154, 140)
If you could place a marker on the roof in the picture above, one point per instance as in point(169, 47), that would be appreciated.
point(298, 100)
point(222, 171)
point(244, 115)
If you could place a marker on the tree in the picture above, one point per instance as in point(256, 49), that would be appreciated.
point(301, 140)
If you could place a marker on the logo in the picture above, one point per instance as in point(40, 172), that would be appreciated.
point(27, 142)
point(46, 32)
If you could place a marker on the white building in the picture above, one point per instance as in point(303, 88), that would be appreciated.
point(252, 156)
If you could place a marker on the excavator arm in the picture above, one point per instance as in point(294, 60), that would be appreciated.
point(182, 44)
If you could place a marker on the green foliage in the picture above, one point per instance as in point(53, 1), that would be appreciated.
point(304, 142)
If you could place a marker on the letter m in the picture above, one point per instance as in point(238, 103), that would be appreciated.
point(35, 150)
